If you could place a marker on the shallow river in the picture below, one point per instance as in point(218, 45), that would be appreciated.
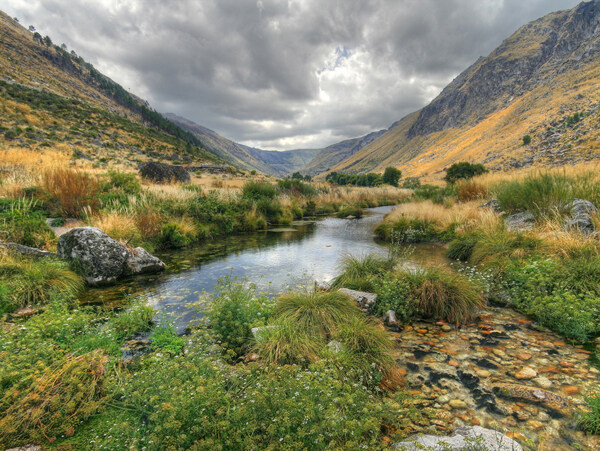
point(275, 260)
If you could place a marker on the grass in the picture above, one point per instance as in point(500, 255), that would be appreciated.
point(75, 190)
point(285, 344)
point(359, 272)
point(590, 420)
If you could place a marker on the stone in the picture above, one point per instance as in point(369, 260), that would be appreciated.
point(26, 448)
point(520, 221)
point(483, 373)
point(543, 382)
point(446, 328)
point(27, 251)
point(532, 394)
point(524, 356)
point(390, 318)
point(492, 205)
point(571, 390)
point(140, 261)
point(164, 173)
point(466, 437)
point(364, 299)
point(102, 260)
point(457, 404)
point(581, 212)
point(526, 373)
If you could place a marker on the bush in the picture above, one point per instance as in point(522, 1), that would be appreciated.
point(463, 170)
point(526, 140)
point(296, 187)
point(461, 248)
point(393, 293)
point(234, 311)
point(391, 176)
point(173, 236)
point(258, 190)
point(76, 191)
point(412, 183)
point(317, 313)
point(127, 183)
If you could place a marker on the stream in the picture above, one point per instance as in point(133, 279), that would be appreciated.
point(503, 372)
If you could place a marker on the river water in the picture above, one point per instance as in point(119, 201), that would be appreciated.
point(276, 260)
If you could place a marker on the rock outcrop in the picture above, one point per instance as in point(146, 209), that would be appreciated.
point(520, 221)
point(467, 437)
point(164, 173)
point(102, 260)
point(581, 216)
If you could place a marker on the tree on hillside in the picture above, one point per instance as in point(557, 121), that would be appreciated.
point(463, 170)
point(297, 176)
point(391, 176)
point(31, 28)
point(47, 40)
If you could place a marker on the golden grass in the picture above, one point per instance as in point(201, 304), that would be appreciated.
point(120, 226)
point(467, 214)
point(75, 189)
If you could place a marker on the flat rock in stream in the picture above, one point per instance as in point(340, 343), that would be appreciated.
point(467, 437)
point(364, 299)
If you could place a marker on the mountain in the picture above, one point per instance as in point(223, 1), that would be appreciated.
point(268, 161)
point(542, 81)
point(52, 98)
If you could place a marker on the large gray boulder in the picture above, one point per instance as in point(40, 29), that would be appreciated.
point(581, 212)
point(520, 221)
point(164, 173)
point(102, 260)
point(467, 437)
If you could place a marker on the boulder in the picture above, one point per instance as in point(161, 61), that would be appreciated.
point(102, 260)
point(364, 299)
point(466, 437)
point(164, 173)
point(140, 261)
point(581, 212)
point(26, 250)
point(520, 221)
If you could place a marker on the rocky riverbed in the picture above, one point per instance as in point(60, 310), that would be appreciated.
point(503, 372)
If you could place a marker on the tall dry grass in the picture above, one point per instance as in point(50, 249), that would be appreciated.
point(76, 190)
point(468, 214)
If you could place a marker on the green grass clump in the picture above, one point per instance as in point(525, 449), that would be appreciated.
point(462, 246)
point(406, 231)
point(283, 343)
point(316, 313)
point(25, 281)
point(23, 221)
point(296, 187)
point(134, 320)
point(165, 338)
point(259, 190)
point(590, 420)
point(359, 273)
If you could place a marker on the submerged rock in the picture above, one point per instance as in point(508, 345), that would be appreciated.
point(520, 221)
point(467, 437)
point(101, 259)
point(532, 394)
point(364, 299)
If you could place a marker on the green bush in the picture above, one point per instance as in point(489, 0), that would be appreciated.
point(393, 293)
point(296, 187)
point(391, 176)
point(463, 170)
point(259, 190)
point(173, 237)
point(234, 311)
point(128, 183)
point(166, 339)
point(436, 194)
point(526, 140)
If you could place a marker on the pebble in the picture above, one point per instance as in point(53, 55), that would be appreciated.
point(483, 373)
point(526, 373)
point(525, 356)
point(446, 328)
point(458, 404)
point(571, 390)
point(543, 382)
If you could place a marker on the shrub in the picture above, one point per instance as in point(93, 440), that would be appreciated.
point(258, 190)
point(391, 176)
point(360, 273)
point(296, 187)
point(463, 170)
point(526, 140)
point(234, 311)
point(316, 313)
point(35, 282)
point(166, 339)
point(22, 221)
point(75, 190)
point(174, 236)
point(444, 295)
point(437, 194)
point(128, 183)
point(469, 190)
point(411, 183)
point(393, 293)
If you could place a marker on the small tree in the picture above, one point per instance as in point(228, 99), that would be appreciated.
point(463, 170)
point(297, 176)
point(391, 176)
point(31, 28)
point(47, 40)
point(526, 140)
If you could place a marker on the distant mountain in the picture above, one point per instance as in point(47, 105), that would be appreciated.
point(268, 161)
point(542, 81)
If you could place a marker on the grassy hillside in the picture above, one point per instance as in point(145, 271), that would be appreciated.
point(52, 98)
point(535, 83)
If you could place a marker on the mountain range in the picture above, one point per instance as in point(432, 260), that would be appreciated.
point(541, 82)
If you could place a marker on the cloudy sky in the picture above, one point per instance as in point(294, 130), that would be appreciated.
point(282, 74)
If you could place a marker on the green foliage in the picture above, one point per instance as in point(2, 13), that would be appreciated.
point(526, 140)
point(296, 187)
point(463, 170)
point(436, 194)
point(132, 321)
point(462, 246)
point(370, 179)
point(23, 221)
point(166, 339)
point(406, 230)
point(172, 236)
point(26, 281)
point(234, 311)
point(316, 314)
point(284, 343)
point(360, 273)
point(545, 193)
point(393, 293)
point(590, 421)
point(346, 211)
point(259, 190)
point(411, 183)
point(127, 183)
point(391, 176)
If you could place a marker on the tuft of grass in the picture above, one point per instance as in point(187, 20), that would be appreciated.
point(259, 190)
point(75, 190)
point(590, 421)
point(285, 344)
point(444, 295)
point(461, 248)
point(26, 281)
point(316, 313)
point(468, 190)
point(359, 273)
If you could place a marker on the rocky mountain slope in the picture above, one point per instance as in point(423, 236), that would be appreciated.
point(542, 81)
point(267, 161)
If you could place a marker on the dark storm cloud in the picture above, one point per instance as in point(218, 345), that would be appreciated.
point(283, 74)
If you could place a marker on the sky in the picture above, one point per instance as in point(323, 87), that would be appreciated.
point(282, 74)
